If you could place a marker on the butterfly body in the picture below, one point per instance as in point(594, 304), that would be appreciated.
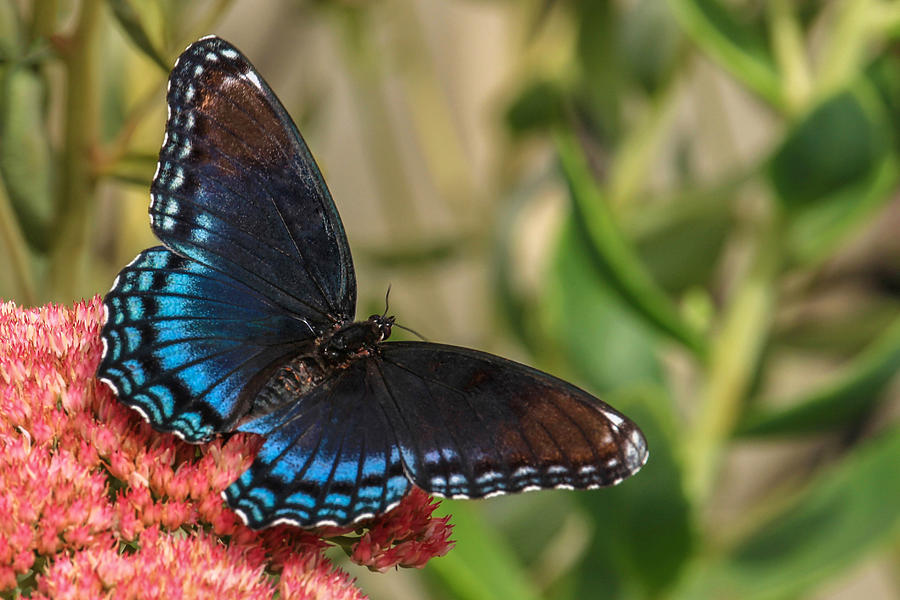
point(243, 320)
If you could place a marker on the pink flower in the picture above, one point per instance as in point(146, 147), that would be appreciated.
point(111, 508)
point(407, 536)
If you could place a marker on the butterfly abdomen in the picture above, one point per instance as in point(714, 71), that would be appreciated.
point(290, 381)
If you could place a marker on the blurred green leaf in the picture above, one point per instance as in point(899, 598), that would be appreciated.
point(424, 254)
point(650, 43)
point(836, 145)
point(537, 108)
point(482, 566)
point(839, 403)
point(25, 155)
point(686, 249)
point(738, 47)
point(848, 511)
point(597, 54)
point(833, 171)
point(603, 340)
point(134, 24)
point(612, 254)
point(644, 534)
point(882, 74)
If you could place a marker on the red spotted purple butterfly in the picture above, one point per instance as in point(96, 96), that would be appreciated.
point(243, 321)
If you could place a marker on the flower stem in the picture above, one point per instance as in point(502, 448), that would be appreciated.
point(735, 354)
point(75, 194)
point(16, 248)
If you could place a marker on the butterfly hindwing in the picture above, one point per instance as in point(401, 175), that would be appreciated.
point(471, 424)
point(330, 458)
point(237, 188)
point(183, 341)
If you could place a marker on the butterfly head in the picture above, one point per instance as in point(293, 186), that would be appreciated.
point(354, 340)
point(382, 324)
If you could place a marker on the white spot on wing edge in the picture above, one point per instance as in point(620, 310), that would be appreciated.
point(105, 348)
point(254, 79)
point(524, 471)
point(141, 412)
point(110, 385)
point(614, 418)
point(133, 260)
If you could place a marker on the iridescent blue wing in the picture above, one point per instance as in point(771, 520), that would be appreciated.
point(471, 425)
point(453, 421)
point(237, 189)
point(330, 457)
point(183, 343)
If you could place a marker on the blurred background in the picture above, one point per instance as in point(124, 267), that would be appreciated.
point(688, 207)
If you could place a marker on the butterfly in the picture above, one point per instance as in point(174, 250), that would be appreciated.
point(243, 321)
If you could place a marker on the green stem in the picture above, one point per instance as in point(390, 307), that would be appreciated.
point(16, 248)
point(710, 25)
point(735, 354)
point(638, 149)
point(846, 48)
point(43, 19)
point(76, 186)
point(790, 54)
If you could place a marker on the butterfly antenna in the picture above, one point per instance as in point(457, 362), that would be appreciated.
point(387, 296)
point(412, 331)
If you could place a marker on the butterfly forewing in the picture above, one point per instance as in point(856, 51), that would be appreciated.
point(237, 189)
point(472, 424)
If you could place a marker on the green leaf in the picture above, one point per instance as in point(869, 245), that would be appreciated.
point(836, 145)
point(603, 340)
point(833, 171)
point(737, 47)
point(839, 403)
point(847, 512)
point(644, 534)
point(134, 25)
point(537, 108)
point(651, 43)
point(481, 566)
point(613, 255)
point(685, 250)
point(599, 63)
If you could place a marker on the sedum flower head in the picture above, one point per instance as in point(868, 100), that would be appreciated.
point(94, 502)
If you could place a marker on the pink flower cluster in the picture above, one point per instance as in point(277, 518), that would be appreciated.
point(94, 503)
